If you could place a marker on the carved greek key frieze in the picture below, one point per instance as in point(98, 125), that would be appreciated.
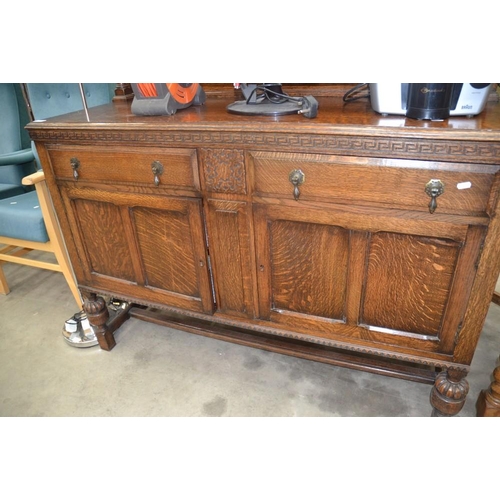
point(224, 170)
point(487, 152)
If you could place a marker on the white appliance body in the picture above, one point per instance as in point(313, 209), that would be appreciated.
point(390, 98)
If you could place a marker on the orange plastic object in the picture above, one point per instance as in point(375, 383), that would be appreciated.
point(181, 94)
point(148, 89)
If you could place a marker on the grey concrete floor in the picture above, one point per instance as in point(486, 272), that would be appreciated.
point(156, 371)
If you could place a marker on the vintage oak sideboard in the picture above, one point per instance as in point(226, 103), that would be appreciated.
point(354, 239)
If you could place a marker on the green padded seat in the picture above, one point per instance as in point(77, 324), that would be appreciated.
point(21, 218)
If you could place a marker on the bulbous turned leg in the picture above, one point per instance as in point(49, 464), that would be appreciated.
point(98, 315)
point(488, 403)
point(449, 393)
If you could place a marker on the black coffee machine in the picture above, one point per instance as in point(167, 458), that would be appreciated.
point(429, 101)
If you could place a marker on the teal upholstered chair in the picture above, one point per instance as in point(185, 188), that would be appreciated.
point(16, 154)
point(27, 218)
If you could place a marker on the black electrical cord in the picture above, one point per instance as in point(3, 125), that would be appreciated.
point(272, 95)
point(349, 95)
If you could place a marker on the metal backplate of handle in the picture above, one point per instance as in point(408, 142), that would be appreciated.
point(434, 188)
point(75, 165)
point(157, 169)
point(296, 177)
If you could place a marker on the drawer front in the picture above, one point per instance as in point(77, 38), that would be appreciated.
point(176, 168)
point(366, 181)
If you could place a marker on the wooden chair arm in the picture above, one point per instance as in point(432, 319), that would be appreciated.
point(35, 178)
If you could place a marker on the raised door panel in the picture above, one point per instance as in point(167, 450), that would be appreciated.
point(302, 268)
point(151, 248)
point(168, 255)
point(308, 270)
point(417, 287)
point(408, 282)
point(104, 240)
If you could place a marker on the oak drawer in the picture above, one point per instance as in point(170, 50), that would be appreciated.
point(117, 165)
point(365, 181)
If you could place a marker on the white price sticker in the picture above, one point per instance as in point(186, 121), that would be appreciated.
point(464, 185)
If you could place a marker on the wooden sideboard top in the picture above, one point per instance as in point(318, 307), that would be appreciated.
point(334, 117)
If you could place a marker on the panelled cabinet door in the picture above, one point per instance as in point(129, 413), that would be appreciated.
point(346, 276)
point(144, 246)
point(302, 267)
point(230, 257)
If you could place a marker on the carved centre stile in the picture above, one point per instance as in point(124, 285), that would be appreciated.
point(224, 170)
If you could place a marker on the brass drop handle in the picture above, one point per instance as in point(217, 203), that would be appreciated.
point(157, 169)
point(296, 177)
point(434, 188)
point(75, 165)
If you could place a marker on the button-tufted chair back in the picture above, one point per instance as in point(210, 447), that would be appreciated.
point(53, 99)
